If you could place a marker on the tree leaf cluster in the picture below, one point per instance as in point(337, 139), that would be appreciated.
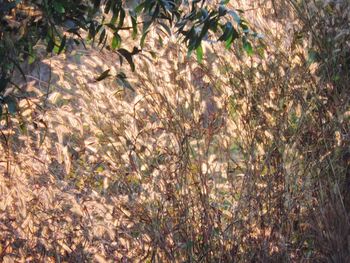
point(59, 23)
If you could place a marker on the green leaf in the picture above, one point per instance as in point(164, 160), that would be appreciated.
point(222, 10)
point(55, 49)
point(194, 42)
point(156, 12)
point(75, 32)
point(336, 77)
point(204, 13)
point(114, 18)
point(228, 30)
point(134, 26)
point(102, 36)
point(143, 38)
point(160, 41)
point(104, 75)
point(213, 25)
point(243, 24)
point(50, 45)
point(100, 169)
point(248, 47)
point(311, 56)
point(199, 52)
point(205, 29)
point(133, 23)
point(139, 8)
point(23, 127)
point(229, 42)
point(112, 26)
point(92, 31)
point(62, 45)
point(58, 7)
point(116, 41)
point(128, 56)
point(108, 6)
point(233, 35)
point(121, 18)
point(167, 29)
point(31, 59)
point(224, 2)
point(153, 54)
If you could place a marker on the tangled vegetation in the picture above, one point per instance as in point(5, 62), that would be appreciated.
point(238, 154)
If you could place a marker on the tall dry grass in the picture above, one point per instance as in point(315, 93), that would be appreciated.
point(238, 159)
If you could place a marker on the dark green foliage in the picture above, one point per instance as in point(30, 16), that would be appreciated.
point(104, 75)
point(58, 22)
